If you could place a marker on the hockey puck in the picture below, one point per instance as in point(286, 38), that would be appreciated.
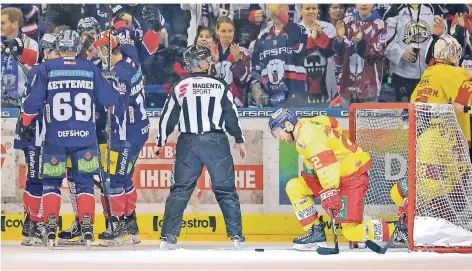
point(259, 249)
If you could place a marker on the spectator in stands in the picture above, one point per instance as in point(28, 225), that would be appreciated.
point(205, 15)
point(409, 32)
point(30, 18)
point(461, 29)
point(232, 62)
point(62, 14)
point(319, 64)
point(277, 60)
point(361, 41)
point(335, 12)
point(19, 54)
point(177, 19)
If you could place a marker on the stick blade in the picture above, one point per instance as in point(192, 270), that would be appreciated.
point(327, 251)
point(374, 247)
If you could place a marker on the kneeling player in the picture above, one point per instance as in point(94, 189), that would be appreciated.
point(339, 178)
point(130, 131)
point(67, 88)
point(30, 144)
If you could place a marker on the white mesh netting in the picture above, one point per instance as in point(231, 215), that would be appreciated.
point(443, 209)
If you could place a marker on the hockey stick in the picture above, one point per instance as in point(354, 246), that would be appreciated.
point(381, 250)
point(328, 250)
point(105, 182)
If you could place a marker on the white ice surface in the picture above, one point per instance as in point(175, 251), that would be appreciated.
point(202, 256)
point(430, 231)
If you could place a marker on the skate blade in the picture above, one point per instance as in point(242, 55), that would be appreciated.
point(166, 246)
point(238, 245)
point(50, 244)
point(26, 241)
point(131, 239)
point(70, 242)
point(309, 247)
point(110, 243)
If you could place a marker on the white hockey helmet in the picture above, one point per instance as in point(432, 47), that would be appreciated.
point(447, 48)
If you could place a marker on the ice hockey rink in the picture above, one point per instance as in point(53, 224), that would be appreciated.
point(220, 256)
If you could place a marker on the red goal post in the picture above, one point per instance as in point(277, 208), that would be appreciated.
point(437, 187)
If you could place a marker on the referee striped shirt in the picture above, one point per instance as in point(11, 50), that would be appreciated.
point(199, 103)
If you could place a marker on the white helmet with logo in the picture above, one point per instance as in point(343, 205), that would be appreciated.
point(447, 48)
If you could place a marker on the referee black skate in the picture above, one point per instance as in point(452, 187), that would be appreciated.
point(202, 106)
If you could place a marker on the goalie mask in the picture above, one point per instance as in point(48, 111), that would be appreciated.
point(102, 49)
point(447, 48)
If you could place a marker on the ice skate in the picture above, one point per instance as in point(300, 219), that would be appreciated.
point(26, 232)
point(50, 231)
point(71, 236)
point(112, 237)
point(168, 242)
point(238, 241)
point(87, 230)
point(314, 238)
point(37, 234)
point(130, 229)
point(402, 234)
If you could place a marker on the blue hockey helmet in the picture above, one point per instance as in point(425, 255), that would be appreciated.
point(68, 41)
point(278, 119)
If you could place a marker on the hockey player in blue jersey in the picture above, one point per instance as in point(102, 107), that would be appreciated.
point(130, 131)
point(30, 143)
point(67, 88)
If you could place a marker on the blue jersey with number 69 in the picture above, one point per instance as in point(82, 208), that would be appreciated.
point(131, 122)
point(66, 89)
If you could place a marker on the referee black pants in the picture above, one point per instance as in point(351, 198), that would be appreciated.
point(192, 153)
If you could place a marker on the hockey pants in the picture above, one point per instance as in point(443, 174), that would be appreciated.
point(302, 191)
point(123, 196)
point(194, 151)
point(85, 163)
point(34, 185)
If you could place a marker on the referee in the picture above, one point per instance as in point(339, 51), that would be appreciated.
point(203, 108)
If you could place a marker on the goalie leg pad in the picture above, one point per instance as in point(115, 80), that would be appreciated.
point(374, 230)
point(352, 194)
point(301, 197)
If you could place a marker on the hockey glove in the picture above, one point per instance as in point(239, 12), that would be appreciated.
point(13, 46)
point(153, 17)
point(25, 132)
point(403, 209)
point(112, 78)
point(330, 199)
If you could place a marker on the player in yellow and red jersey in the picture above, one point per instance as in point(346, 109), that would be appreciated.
point(445, 81)
point(338, 176)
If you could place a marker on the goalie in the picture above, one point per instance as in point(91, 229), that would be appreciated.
point(440, 167)
point(338, 176)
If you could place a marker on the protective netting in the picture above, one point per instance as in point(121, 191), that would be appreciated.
point(442, 176)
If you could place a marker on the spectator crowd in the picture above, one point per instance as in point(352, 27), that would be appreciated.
point(269, 54)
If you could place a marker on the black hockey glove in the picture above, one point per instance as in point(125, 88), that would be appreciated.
point(14, 46)
point(152, 16)
point(25, 132)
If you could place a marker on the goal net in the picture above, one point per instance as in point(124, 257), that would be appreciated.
point(421, 148)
